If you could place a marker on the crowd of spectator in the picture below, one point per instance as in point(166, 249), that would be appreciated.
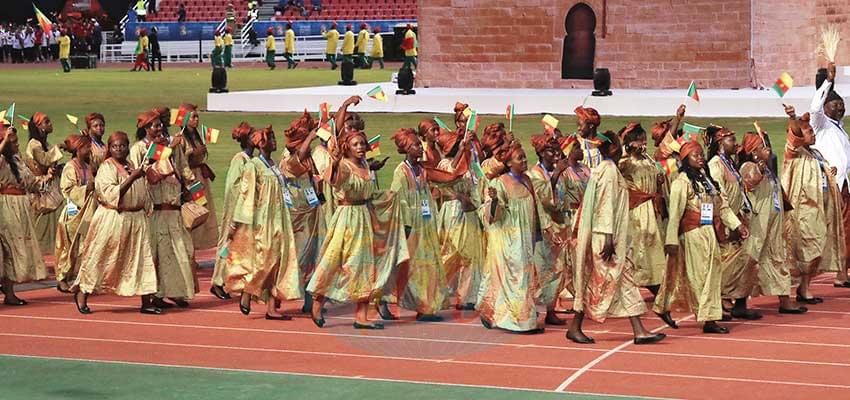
point(29, 43)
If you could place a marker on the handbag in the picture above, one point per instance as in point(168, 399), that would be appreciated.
point(47, 202)
point(193, 215)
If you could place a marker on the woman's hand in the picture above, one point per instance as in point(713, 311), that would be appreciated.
point(607, 252)
point(671, 250)
point(376, 165)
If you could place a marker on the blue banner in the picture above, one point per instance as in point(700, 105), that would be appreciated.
point(168, 31)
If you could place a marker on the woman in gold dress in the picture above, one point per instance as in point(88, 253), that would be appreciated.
point(194, 145)
point(95, 128)
point(40, 158)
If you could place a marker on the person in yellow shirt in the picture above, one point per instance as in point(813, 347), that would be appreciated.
point(362, 42)
point(270, 48)
point(289, 47)
point(409, 45)
point(348, 45)
point(65, 51)
point(141, 51)
point(228, 47)
point(217, 50)
point(377, 48)
point(333, 39)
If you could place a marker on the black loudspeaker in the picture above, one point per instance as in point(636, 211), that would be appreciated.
point(820, 77)
point(219, 80)
point(346, 73)
point(601, 82)
point(405, 82)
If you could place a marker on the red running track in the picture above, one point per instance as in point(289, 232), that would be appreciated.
point(781, 356)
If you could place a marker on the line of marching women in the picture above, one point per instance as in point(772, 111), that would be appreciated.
point(466, 222)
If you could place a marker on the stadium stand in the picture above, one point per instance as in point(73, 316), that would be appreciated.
point(214, 10)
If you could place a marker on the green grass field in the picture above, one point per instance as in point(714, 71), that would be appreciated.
point(121, 95)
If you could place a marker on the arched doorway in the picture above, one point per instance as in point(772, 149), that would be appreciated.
point(579, 43)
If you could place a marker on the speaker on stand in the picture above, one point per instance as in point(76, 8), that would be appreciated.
point(346, 73)
point(405, 81)
point(219, 80)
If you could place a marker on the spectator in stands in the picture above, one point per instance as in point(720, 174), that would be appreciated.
point(54, 42)
point(409, 45)
point(333, 39)
point(3, 33)
point(64, 51)
point(289, 47)
point(39, 41)
point(230, 15)
point(362, 42)
point(153, 7)
point(96, 38)
point(253, 10)
point(270, 48)
point(228, 47)
point(18, 46)
point(156, 52)
point(29, 45)
point(348, 45)
point(141, 11)
point(377, 48)
point(181, 13)
point(317, 5)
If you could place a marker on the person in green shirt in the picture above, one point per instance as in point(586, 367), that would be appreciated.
point(65, 51)
point(270, 48)
point(377, 48)
point(228, 47)
point(289, 47)
point(348, 45)
point(362, 42)
point(217, 50)
point(333, 39)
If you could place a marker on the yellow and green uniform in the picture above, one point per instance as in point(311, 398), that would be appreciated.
point(228, 50)
point(377, 51)
point(410, 54)
point(65, 52)
point(330, 51)
point(348, 46)
point(217, 51)
point(270, 50)
point(362, 42)
point(289, 48)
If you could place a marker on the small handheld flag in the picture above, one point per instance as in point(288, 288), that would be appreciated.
point(45, 23)
point(692, 91)
point(473, 121)
point(476, 168)
point(324, 132)
point(440, 123)
point(467, 112)
point(783, 84)
point(509, 114)
point(25, 122)
point(181, 118)
point(10, 112)
point(210, 134)
point(3, 116)
point(324, 112)
point(550, 123)
point(688, 128)
point(72, 119)
point(374, 147)
point(158, 152)
point(667, 166)
point(758, 127)
point(198, 193)
point(378, 94)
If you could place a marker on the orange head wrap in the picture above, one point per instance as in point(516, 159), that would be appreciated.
point(74, 143)
point(566, 143)
point(659, 129)
point(404, 138)
point(344, 140)
point(588, 114)
point(260, 136)
point(426, 125)
point(542, 142)
point(116, 136)
point(688, 148)
point(90, 118)
point(492, 139)
point(751, 142)
point(459, 107)
point(507, 152)
point(146, 118)
point(242, 132)
point(164, 113)
point(447, 141)
point(794, 136)
point(631, 127)
point(715, 133)
point(39, 117)
point(299, 129)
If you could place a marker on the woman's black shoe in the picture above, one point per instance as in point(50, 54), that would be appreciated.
point(180, 302)
point(219, 292)
point(376, 325)
point(845, 284)
point(486, 323)
point(82, 310)
point(151, 310)
point(278, 318)
point(14, 302)
point(245, 309)
point(798, 310)
point(429, 318)
point(665, 316)
point(812, 300)
point(319, 322)
point(650, 339)
point(534, 331)
point(714, 328)
point(161, 303)
point(384, 312)
point(62, 289)
point(580, 340)
point(748, 315)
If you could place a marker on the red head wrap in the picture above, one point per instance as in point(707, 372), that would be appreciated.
point(459, 107)
point(116, 136)
point(588, 114)
point(299, 130)
point(146, 118)
point(260, 136)
point(90, 118)
point(751, 142)
point(344, 140)
point(688, 148)
point(447, 141)
point(404, 138)
point(541, 142)
point(242, 132)
point(507, 152)
point(376, 29)
point(74, 143)
point(270, 31)
point(794, 137)
point(426, 125)
point(631, 127)
point(38, 118)
point(659, 129)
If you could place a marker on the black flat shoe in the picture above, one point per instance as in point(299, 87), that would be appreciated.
point(219, 292)
point(63, 290)
point(161, 303)
point(565, 311)
point(180, 302)
point(373, 326)
point(535, 331)
point(650, 339)
point(280, 318)
point(798, 310)
point(845, 284)
point(245, 309)
point(726, 317)
point(319, 322)
point(151, 310)
point(812, 300)
point(714, 328)
point(486, 323)
point(553, 320)
point(429, 318)
point(665, 316)
point(583, 340)
point(748, 315)
point(82, 310)
point(384, 312)
point(14, 302)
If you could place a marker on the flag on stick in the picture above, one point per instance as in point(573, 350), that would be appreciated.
point(692, 91)
point(473, 121)
point(374, 147)
point(509, 114)
point(688, 128)
point(378, 94)
point(783, 84)
point(158, 152)
point(210, 134)
point(324, 112)
point(667, 166)
point(440, 123)
point(550, 123)
point(198, 193)
point(45, 23)
point(10, 112)
point(72, 119)
point(324, 132)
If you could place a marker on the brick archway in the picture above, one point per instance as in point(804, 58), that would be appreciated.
point(579, 43)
